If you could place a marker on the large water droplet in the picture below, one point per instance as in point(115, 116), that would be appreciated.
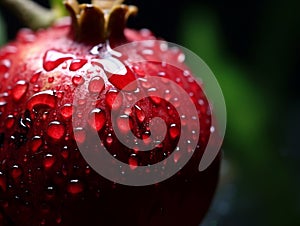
point(97, 119)
point(96, 85)
point(56, 130)
point(77, 64)
point(52, 59)
point(75, 187)
point(19, 90)
point(42, 99)
point(125, 82)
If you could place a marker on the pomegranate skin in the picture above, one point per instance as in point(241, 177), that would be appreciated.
point(44, 180)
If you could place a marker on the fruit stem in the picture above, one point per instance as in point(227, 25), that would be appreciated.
point(31, 13)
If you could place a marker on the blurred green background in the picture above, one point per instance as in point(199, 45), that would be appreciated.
point(253, 49)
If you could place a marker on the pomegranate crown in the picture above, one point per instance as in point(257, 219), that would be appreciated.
point(99, 21)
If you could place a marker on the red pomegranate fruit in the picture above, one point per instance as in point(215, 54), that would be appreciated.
point(60, 87)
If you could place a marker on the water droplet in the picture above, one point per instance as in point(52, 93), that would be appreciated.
point(109, 139)
point(77, 80)
point(113, 99)
point(138, 70)
point(35, 77)
point(97, 119)
point(96, 85)
point(36, 88)
point(42, 99)
point(154, 95)
point(2, 182)
point(77, 64)
point(140, 114)
point(65, 152)
point(36, 143)
point(75, 187)
point(50, 192)
point(132, 162)
point(123, 123)
point(56, 130)
point(51, 79)
point(58, 220)
point(174, 131)
point(79, 135)
point(126, 82)
point(4, 66)
point(49, 160)
point(9, 122)
point(177, 156)
point(19, 90)
point(52, 59)
point(16, 172)
point(67, 111)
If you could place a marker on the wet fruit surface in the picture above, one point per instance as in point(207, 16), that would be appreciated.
point(44, 180)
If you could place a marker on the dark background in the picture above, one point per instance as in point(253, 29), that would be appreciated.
point(253, 49)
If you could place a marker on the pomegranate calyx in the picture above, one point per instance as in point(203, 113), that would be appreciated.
point(100, 21)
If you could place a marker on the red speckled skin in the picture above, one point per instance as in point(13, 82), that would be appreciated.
point(44, 180)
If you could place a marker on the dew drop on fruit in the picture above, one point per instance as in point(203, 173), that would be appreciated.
point(154, 95)
point(126, 82)
point(79, 135)
point(65, 152)
point(77, 64)
point(35, 77)
point(51, 79)
point(56, 130)
point(75, 187)
point(97, 119)
point(123, 123)
point(96, 85)
point(2, 182)
point(109, 139)
point(9, 122)
point(174, 131)
point(140, 114)
point(49, 160)
point(113, 99)
point(77, 80)
point(4, 66)
point(42, 99)
point(132, 162)
point(19, 90)
point(52, 59)
point(35, 143)
point(67, 111)
point(16, 172)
